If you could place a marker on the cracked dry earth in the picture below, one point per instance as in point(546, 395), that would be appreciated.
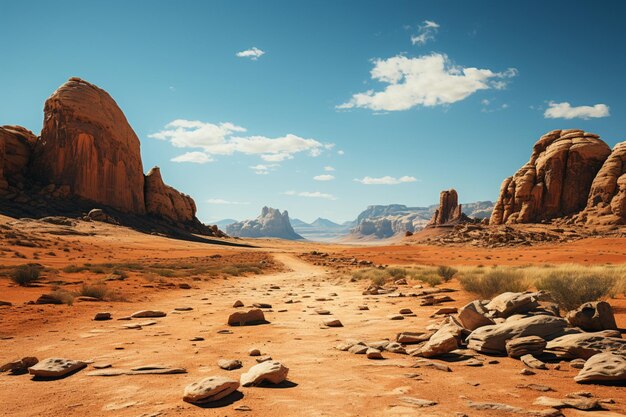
point(322, 380)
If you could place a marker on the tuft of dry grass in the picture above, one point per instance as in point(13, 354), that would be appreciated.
point(494, 282)
point(25, 275)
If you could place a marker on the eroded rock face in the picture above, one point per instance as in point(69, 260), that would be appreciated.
point(449, 211)
point(271, 223)
point(603, 367)
point(606, 203)
point(555, 181)
point(87, 144)
point(165, 201)
point(16, 145)
point(593, 317)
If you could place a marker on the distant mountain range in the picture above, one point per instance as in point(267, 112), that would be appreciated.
point(375, 222)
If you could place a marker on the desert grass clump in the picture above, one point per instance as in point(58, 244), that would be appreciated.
point(494, 282)
point(64, 296)
point(446, 272)
point(572, 287)
point(396, 273)
point(374, 275)
point(25, 275)
point(429, 278)
point(99, 291)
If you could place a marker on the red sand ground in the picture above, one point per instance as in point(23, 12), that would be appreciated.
point(325, 382)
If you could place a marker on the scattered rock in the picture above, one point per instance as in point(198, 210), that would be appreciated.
point(237, 304)
point(55, 367)
point(254, 352)
point(475, 315)
point(603, 368)
point(148, 314)
point(272, 372)
point(529, 345)
point(532, 362)
point(102, 316)
point(585, 345)
point(19, 366)
point(372, 353)
point(209, 389)
point(593, 317)
point(252, 317)
point(229, 364)
point(333, 323)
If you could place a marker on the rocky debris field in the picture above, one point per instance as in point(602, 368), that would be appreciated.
point(299, 343)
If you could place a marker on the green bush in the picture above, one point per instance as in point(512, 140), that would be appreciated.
point(26, 275)
point(572, 288)
point(446, 272)
point(494, 282)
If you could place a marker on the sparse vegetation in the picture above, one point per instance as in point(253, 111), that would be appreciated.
point(26, 275)
point(374, 275)
point(494, 282)
point(429, 278)
point(572, 287)
point(98, 291)
point(446, 272)
point(64, 296)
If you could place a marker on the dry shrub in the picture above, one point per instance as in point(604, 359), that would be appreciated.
point(494, 282)
point(26, 275)
point(572, 287)
point(446, 272)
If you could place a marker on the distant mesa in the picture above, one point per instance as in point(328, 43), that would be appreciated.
point(571, 174)
point(87, 156)
point(271, 223)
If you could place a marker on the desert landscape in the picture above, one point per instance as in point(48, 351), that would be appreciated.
point(120, 296)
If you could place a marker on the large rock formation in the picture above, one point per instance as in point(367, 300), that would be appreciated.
point(87, 156)
point(271, 223)
point(16, 145)
point(449, 211)
point(555, 181)
point(165, 201)
point(606, 203)
point(87, 143)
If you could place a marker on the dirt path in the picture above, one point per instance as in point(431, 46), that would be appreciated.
point(324, 381)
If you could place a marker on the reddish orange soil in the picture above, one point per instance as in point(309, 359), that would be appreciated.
point(324, 381)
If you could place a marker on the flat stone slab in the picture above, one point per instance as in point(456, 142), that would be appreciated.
point(55, 367)
point(209, 389)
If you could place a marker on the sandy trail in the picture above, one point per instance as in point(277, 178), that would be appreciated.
point(323, 381)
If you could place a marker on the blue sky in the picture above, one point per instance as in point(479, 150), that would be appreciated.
point(458, 91)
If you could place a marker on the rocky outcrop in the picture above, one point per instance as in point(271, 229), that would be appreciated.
point(271, 223)
point(16, 145)
point(606, 203)
point(165, 201)
point(88, 157)
point(449, 211)
point(555, 181)
point(87, 143)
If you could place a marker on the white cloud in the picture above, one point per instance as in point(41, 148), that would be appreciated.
point(309, 194)
point(340, 152)
point(387, 180)
point(426, 32)
point(226, 202)
point(429, 80)
point(221, 139)
point(566, 111)
point(328, 168)
point(253, 53)
point(324, 177)
point(195, 157)
point(264, 169)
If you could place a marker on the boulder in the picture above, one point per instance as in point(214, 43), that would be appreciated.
point(209, 389)
point(606, 203)
point(445, 340)
point(492, 339)
point(586, 345)
point(165, 201)
point(372, 353)
point(474, 315)
point(87, 144)
point(229, 364)
point(603, 368)
point(555, 181)
point(19, 366)
point(529, 345)
point(593, 317)
point(55, 367)
point(509, 303)
point(16, 146)
point(449, 210)
point(272, 372)
point(247, 318)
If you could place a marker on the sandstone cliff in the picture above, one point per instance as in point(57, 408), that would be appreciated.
point(606, 203)
point(555, 182)
point(16, 146)
point(165, 201)
point(271, 223)
point(87, 143)
point(449, 211)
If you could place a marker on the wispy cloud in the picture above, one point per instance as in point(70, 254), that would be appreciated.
point(429, 80)
point(324, 177)
point(387, 180)
point(226, 139)
point(328, 168)
point(195, 157)
point(227, 202)
point(264, 169)
point(567, 111)
point(313, 194)
point(253, 53)
point(426, 32)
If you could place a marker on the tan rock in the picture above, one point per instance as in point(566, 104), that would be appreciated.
point(55, 367)
point(593, 317)
point(603, 367)
point(243, 318)
point(209, 389)
point(272, 372)
point(165, 201)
